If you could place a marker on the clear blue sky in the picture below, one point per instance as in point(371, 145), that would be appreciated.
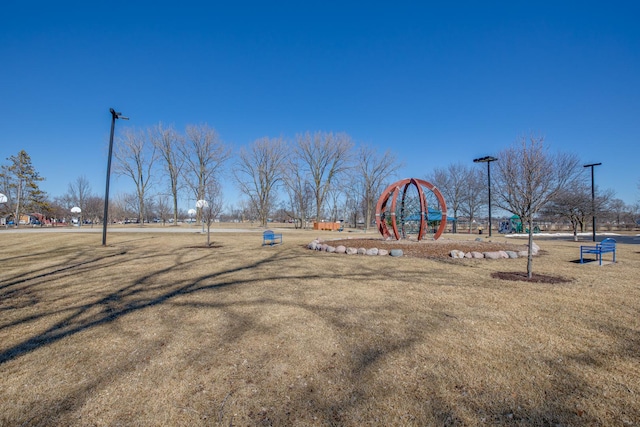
point(435, 83)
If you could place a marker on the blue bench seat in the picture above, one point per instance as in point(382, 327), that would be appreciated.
point(271, 238)
point(606, 246)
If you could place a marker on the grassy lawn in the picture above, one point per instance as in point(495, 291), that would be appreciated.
point(156, 329)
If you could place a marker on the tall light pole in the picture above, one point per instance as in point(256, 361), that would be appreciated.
point(114, 115)
point(487, 160)
point(593, 197)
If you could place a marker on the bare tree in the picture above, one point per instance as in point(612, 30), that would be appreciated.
point(212, 206)
point(334, 199)
point(78, 192)
point(371, 173)
point(324, 157)
point(617, 207)
point(529, 177)
point(168, 142)
point(573, 205)
point(123, 208)
point(299, 191)
point(160, 209)
point(94, 208)
point(453, 183)
point(354, 197)
point(204, 155)
point(474, 196)
point(258, 172)
point(135, 159)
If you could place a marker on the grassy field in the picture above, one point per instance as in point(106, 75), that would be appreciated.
point(156, 329)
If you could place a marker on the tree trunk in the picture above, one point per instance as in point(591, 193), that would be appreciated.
point(175, 209)
point(530, 254)
point(16, 220)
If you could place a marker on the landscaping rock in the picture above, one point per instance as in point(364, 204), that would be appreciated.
point(492, 255)
point(503, 254)
point(534, 248)
point(523, 254)
point(351, 251)
point(313, 245)
point(331, 249)
point(362, 251)
point(456, 254)
point(512, 254)
point(341, 249)
point(372, 251)
point(383, 252)
point(468, 255)
point(477, 255)
point(396, 252)
point(323, 247)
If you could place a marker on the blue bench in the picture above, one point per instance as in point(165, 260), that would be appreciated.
point(271, 238)
point(606, 246)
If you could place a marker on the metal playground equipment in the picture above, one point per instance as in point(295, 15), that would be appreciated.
point(514, 225)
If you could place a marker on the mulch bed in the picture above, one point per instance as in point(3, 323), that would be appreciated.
point(535, 278)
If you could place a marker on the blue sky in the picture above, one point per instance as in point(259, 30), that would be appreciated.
point(436, 83)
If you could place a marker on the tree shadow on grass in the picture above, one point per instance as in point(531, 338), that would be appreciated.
point(365, 360)
point(125, 300)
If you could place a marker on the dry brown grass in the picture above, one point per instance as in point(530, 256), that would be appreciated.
point(152, 331)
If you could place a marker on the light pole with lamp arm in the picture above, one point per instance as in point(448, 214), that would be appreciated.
point(487, 160)
point(114, 115)
point(593, 198)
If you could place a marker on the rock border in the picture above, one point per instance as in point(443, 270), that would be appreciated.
point(456, 254)
point(320, 245)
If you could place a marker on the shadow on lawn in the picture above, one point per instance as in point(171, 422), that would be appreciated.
point(506, 407)
point(125, 300)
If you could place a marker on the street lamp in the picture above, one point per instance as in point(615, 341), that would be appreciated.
point(593, 198)
point(114, 115)
point(487, 160)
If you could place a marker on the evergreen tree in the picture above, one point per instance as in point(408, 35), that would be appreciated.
point(21, 185)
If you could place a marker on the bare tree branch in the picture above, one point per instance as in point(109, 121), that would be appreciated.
point(135, 159)
point(371, 173)
point(324, 156)
point(258, 172)
point(168, 142)
point(529, 177)
point(204, 155)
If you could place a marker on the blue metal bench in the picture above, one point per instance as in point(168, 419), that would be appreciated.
point(606, 246)
point(271, 238)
